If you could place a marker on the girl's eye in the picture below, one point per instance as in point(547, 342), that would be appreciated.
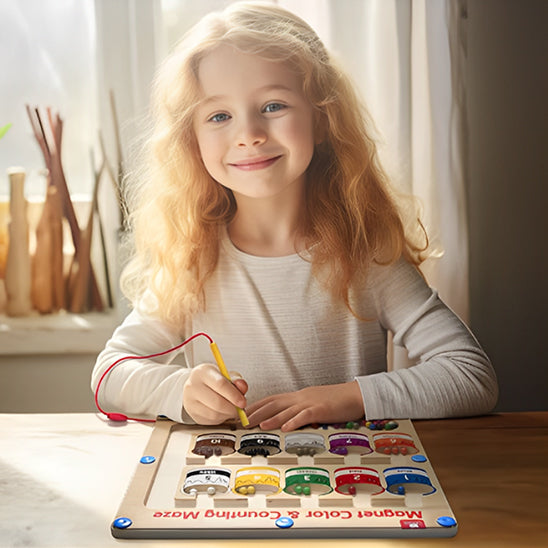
point(221, 117)
point(274, 107)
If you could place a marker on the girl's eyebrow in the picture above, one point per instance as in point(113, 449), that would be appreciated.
point(268, 87)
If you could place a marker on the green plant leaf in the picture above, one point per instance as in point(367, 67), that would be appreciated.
point(4, 130)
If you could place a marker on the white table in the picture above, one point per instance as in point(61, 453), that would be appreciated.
point(62, 477)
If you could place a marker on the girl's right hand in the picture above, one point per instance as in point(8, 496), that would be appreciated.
point(210, 398)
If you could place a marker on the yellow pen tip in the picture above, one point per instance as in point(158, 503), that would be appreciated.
point(243, 418)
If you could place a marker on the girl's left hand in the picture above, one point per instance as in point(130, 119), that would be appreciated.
point(314, 404)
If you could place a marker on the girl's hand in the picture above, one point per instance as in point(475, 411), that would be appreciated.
point(209, 398)
point(315, 404)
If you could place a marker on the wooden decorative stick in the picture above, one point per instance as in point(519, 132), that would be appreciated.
point(41, 284)
point(18, 281)
point(110, 300)
point(120, 161)
point(80, 288)
point(57, 257)
point(48, 293)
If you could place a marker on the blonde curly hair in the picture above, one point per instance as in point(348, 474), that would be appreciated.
point(178, 210)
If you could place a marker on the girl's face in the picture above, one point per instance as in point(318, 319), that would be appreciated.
point(254, 126)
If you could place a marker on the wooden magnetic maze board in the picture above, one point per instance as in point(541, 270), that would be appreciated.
point(354, 480)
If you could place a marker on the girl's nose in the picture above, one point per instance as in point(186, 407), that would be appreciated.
point(251, 133)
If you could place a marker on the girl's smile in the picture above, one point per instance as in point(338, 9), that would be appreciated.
point(253, 164)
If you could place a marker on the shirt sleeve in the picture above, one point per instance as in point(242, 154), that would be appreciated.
point(142, 387)
point(451, 376)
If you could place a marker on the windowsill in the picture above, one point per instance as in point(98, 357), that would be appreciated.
point(61, 333)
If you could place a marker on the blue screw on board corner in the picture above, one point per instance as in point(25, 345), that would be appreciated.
point(446, 521)
point(122, 523)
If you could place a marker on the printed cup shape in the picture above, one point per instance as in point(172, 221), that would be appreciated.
point(207, 480)
point(217, 444)
point(304, 443)
point(394, 444)
point(259, 443)
point(257, 479)
point(307, 481)
point(406, 480)
point(345, 443)
point(354, 480)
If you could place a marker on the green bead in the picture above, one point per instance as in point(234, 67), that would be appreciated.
point(298, 489)
point(306, 490)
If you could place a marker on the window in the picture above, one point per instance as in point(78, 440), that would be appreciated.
point(48, 59)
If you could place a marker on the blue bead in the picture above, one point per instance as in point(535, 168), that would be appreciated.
point(122, 523)
point(147, 459)
point(446, 521)
point(284, 522)
point(418, 458)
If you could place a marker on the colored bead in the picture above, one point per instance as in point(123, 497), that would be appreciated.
point(243, 490)
point(298, 489)
point(403, 450)
point(306, 490)
point(352, 489)
point(211, 490)
point(147, 460)
point(390, 425)
point(401, 490)
point(251, 490)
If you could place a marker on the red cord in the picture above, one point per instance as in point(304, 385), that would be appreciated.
point(120, 417)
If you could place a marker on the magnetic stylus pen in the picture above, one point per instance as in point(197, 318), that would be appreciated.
point(222, 368)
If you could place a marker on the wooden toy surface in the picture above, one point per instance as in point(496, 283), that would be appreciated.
point(351, 480)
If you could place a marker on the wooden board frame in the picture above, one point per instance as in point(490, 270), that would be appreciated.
point(420, 510)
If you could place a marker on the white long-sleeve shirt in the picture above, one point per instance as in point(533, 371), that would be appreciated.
point(277, 326)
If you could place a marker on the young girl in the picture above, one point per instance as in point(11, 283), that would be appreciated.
point(265, 221)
